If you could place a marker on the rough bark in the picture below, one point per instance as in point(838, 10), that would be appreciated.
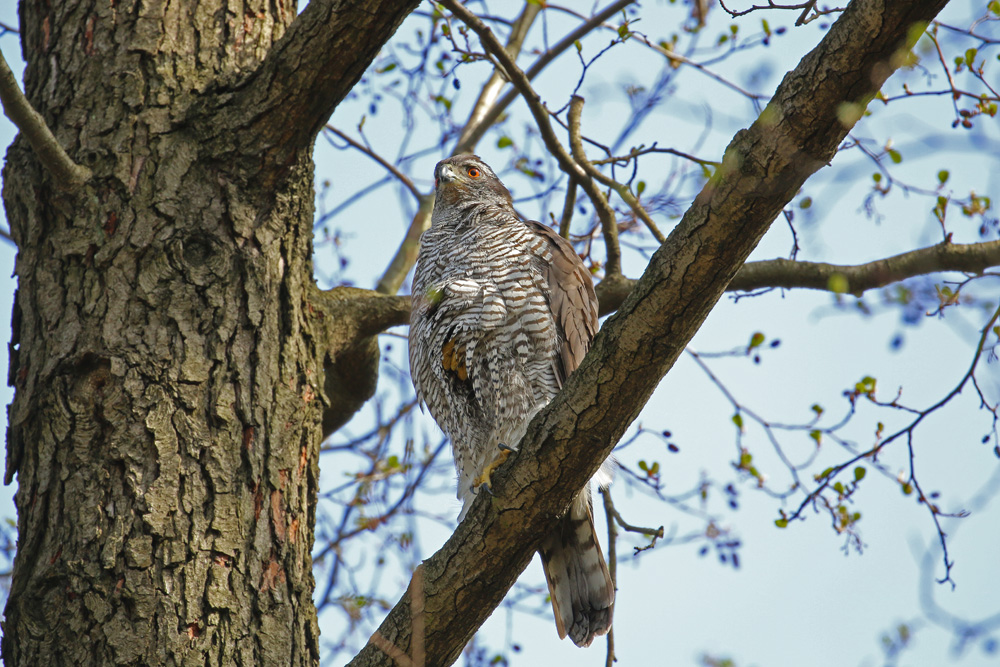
point(762, 170)
point(166, 357)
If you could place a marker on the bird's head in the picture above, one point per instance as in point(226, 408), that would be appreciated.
point(466, 178)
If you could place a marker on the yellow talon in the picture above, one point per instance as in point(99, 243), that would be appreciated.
point(484, 477)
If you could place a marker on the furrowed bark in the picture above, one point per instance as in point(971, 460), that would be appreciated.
point(166, 356)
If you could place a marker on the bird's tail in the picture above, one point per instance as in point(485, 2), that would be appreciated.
point(580, 586)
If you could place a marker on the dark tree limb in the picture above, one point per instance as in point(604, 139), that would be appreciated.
point(67, 174)
point(303, 78)
point(764, 166)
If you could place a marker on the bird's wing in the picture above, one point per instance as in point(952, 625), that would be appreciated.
point(571, 298)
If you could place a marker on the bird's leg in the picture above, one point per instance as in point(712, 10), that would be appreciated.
point(483, 481)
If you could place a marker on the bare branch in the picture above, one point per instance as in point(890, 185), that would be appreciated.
point(609, 513)
point(391, 168)
point(406, 254)
point(575, 109)
point(471, 138)
point(282, 105)
point(496, 82)
point(67, 174)
point(609, 227)
point(568, 204)
point(859, 278)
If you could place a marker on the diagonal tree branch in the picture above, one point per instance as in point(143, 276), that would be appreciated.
point(763, 168)
point(68, 175)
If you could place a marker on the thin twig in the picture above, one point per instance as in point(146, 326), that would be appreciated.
point(608, 225)
point(391, 168)
point(68, 175)
point(610, 513)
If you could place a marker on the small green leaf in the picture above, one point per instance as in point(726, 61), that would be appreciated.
point(738, 420)
point(994, 7)
point(756, 340)
point(895, 156)
point(504, 142)
point(781, 523)
point(859, 473)
point(805, 203)
point(877, 177)
point(943, 176)
point(640, 187)
point(838, 283)
point(434, 295)
point(970, 56)
point(643, 466)
point(766, 27)
point(838, 487)
point(907, 488)
point(817, 408)
point(579, 46)
point(817, 436)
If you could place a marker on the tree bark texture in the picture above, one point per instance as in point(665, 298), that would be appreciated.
point(167, 357)
point(763, 168)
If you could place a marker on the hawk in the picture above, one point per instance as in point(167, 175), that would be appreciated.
point(503, 311)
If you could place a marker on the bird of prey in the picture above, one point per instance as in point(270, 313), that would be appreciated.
point(503, 311)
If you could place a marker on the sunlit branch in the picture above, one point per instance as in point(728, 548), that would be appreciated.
point(856, 279)
point(608, 225)
point(491, 89)
point(67, 174)
point(575, 109)
point(568, 205)
point(471, 138)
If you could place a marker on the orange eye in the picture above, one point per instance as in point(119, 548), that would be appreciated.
point(474, 172)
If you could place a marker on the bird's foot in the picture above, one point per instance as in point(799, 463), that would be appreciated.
point(483, 481)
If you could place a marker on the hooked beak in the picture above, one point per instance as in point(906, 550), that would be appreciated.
point(444, 173)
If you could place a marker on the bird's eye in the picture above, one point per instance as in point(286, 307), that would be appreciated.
point(474, 172)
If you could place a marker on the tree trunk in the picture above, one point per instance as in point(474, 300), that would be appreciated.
point(166, 358)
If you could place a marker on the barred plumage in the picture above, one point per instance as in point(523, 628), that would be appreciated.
point(503, 312)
